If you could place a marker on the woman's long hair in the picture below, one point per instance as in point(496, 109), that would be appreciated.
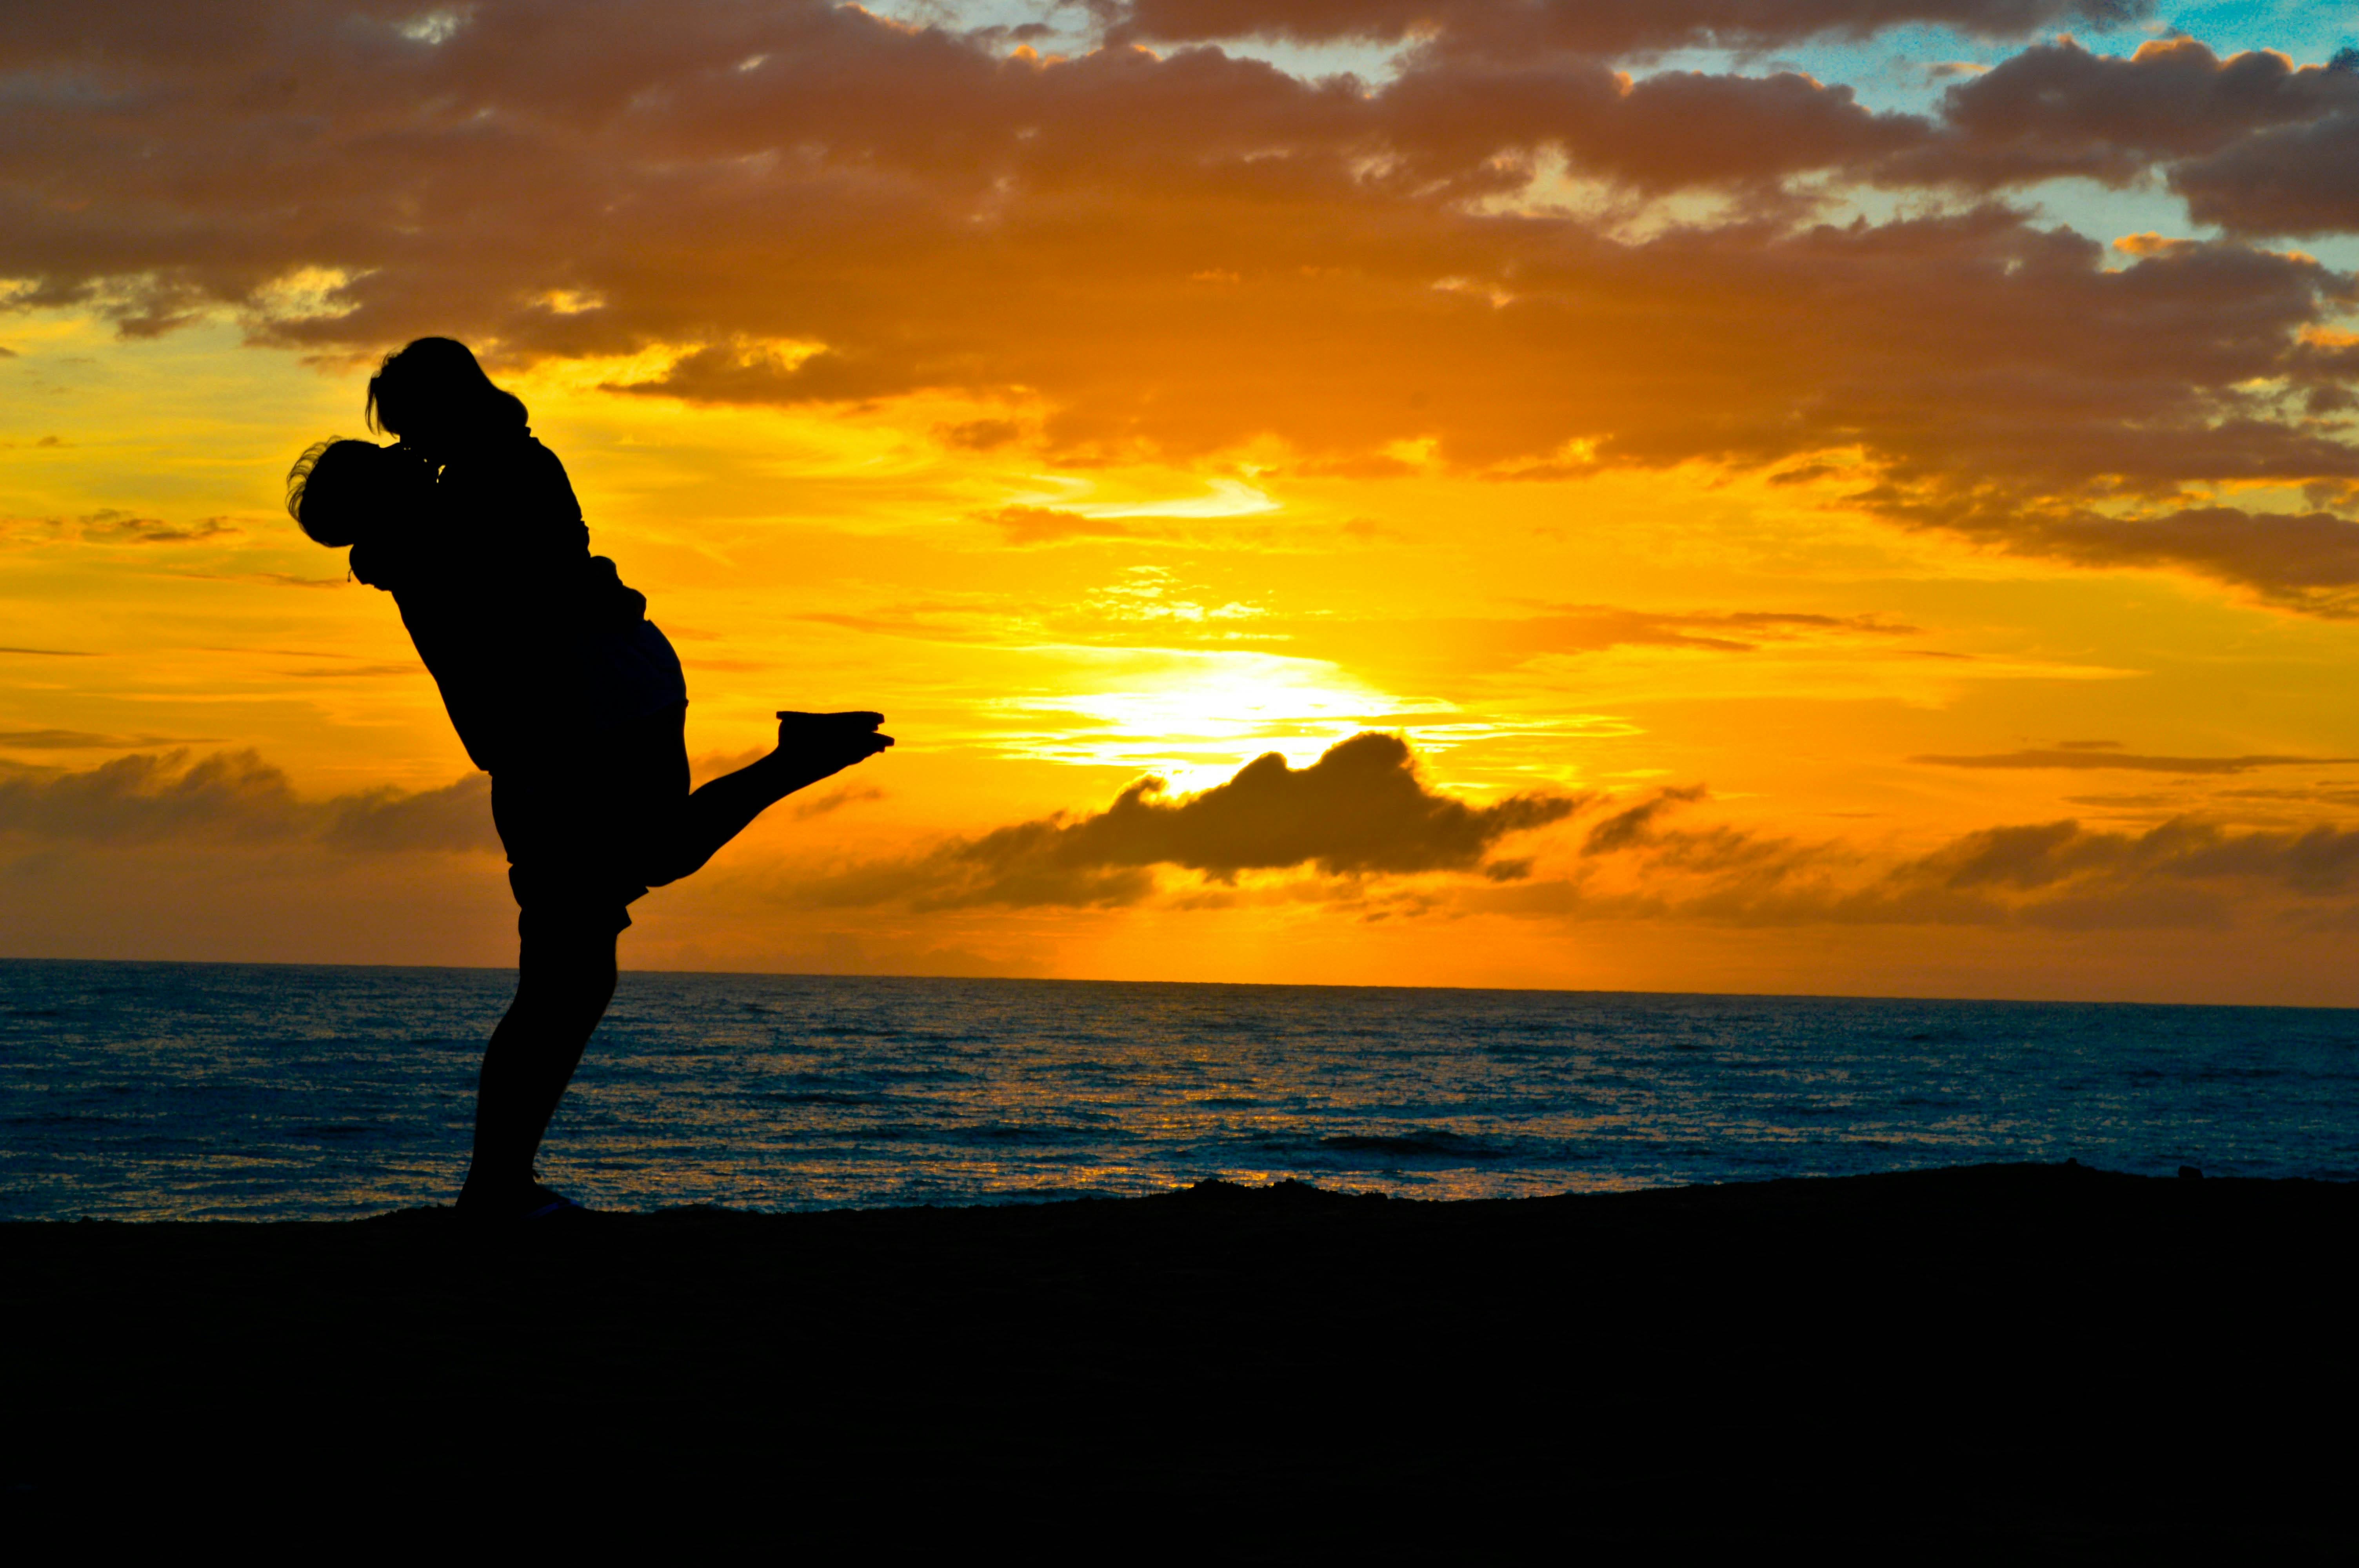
point(440, 374)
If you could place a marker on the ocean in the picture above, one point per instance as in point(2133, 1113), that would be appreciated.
point(152, 1091)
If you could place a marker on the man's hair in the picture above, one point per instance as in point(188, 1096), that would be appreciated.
point(337, 489)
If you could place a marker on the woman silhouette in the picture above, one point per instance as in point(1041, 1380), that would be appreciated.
point(559, 686)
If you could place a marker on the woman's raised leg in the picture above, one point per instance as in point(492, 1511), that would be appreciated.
point(811, 746)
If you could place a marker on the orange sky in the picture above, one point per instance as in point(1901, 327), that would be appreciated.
point(1829, 497)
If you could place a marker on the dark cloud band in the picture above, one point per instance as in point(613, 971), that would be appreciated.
point(1178, 253)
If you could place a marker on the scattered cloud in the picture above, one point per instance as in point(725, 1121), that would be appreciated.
point(1592, 26)
point(2302, 561)
point(1595, 626)
point(2292, 179)
point(1052, 526)
point(1635, 825)
point(1358, 830)
point(71, 740)
point(2088, 755)
point(2188, 872)
point(979, 434)
point(2060, 110)
point(120, 528)
point(109, 525)
point(808, 806)
point(235, 796)
point(456, 819)
point(147, 797)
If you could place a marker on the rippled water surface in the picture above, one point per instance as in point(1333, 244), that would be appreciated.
point(178, 1090)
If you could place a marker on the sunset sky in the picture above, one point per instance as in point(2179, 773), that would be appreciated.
point(1795, 496)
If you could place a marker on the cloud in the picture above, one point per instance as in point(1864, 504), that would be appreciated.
point(2254, 143)
point(146, 798)
point(1603, 26)
point(2058, 109)
point(979, 434)
point(235, 796)
point(121, 528)
point(1360, 810)
point(2084, 757)
point(2306, 561)
point(1637, 824)
point(809, 806)
point(456, 819)
point(1585, 627)
point(68, 740)
point(1052, 525)
point(1675, 131)
point(2294, 180)
point(1338, 834)
point(872, 210)
point(2317, 861)
point(110, 525)
point(1416, 649)
point(2187, 872)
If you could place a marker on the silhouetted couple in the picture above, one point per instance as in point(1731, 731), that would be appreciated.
point(561, 689)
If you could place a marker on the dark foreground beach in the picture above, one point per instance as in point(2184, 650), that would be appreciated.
point(2041, 1358)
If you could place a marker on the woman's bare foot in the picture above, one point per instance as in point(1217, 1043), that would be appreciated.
point(826, 721)
point(813, 745)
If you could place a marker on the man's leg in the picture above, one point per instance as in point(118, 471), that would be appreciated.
point(564, 980)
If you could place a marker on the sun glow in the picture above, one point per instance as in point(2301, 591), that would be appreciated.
point(1190, 718)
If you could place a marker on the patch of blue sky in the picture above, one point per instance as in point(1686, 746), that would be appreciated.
point(1312, 62)
point(2304, 30)
point(1898, 71)
point(2105, 213)
point(2101, 213)
point(1889, 73)
point(1068, 24)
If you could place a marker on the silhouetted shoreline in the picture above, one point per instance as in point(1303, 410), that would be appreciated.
point(1980, 1356)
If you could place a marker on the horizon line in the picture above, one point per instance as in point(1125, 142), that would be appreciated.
point(1238, 985)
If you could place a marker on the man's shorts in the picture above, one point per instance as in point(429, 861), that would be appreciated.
point(588, 832)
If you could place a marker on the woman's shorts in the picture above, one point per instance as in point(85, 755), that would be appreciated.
point(588, 832)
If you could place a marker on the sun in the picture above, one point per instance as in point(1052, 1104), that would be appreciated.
point(1191, 718)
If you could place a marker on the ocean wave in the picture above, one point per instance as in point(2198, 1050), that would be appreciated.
point(1420, 1145)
